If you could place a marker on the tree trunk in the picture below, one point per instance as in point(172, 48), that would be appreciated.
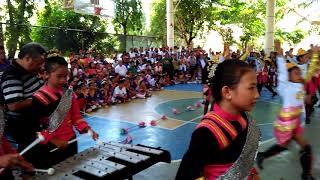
point(189, 42)
point(125, 38)
point(1, 35)
point(17, 31)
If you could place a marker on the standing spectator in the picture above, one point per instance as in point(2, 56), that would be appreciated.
point(18, 83)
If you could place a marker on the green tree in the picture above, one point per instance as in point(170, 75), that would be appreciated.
point(293, 38)
point(249, 16)
point(77, 31)
point(190, 20)
point(158, 25)
point(19, 12)
point(226, 34)
point(1, 29)
point(191, 17)
point(128, 19)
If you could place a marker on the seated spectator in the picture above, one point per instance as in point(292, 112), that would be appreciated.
point(120, 93)
point(158, 68)
point(80, 96)
point(142, 91)
point(121, 69)
point(92, 70)
point(132, 68)
point(130, 91)
point(154, 83)
point(106, 93)
point(93, 97)
point(74, 70)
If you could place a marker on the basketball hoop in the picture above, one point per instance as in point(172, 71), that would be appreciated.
point(316, 22)
point(94, 7)
point(97, 10)
point(68, 4)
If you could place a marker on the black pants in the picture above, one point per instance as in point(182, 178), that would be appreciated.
point(61, 155)
point(259, 86)
point(7, 175)
point(24, 134)
point(44, 159)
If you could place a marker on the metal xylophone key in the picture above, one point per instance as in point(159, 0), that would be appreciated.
point(109, 161)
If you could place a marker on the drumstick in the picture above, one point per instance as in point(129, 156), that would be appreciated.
point(69, 142)
point(90, 133)
point(50, 171)
point(98, 141)
point(34, 143)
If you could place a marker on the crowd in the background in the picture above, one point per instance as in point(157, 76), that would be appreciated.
point(99, 82)
point(134, 74)
point(138, 72)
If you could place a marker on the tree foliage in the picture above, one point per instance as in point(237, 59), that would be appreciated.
point(128, 18)
point(158, 25)
point(19, 12)
point(293, 38)
point(189, 20)
point(202, 15)
point(191, 17)
point(77, 31)
point(226, 34)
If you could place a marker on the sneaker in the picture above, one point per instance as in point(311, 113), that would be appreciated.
point(89, 110)
point(259, 160)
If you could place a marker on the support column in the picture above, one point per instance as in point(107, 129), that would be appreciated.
point(270, 23)
point(170, 24)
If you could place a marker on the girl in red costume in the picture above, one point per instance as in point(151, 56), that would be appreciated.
point(45, 102)
point(219, 140)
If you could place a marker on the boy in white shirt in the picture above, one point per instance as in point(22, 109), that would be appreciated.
point(120, 93)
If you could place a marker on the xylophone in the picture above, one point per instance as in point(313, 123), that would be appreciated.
point(108, 161)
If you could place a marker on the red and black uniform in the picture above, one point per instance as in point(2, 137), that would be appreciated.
point(215, 145)
point(6, 148)
point(45, 101)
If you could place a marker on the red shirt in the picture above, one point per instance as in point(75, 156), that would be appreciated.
point(72, 119)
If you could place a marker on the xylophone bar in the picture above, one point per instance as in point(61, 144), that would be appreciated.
point(109, 161)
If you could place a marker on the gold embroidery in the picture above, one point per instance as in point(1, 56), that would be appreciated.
point(300, 95)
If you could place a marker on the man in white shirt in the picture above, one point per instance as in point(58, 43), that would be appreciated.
point(121, 69)
point(132, 54)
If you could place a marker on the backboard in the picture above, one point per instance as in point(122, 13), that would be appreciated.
point(91, 7)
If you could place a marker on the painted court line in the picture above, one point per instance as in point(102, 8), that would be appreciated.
point(198, 92)
point(264, 124)
point(101, 117)
point(265, 100)
point(187, 122)
point(166, 101)
point(184, 122)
